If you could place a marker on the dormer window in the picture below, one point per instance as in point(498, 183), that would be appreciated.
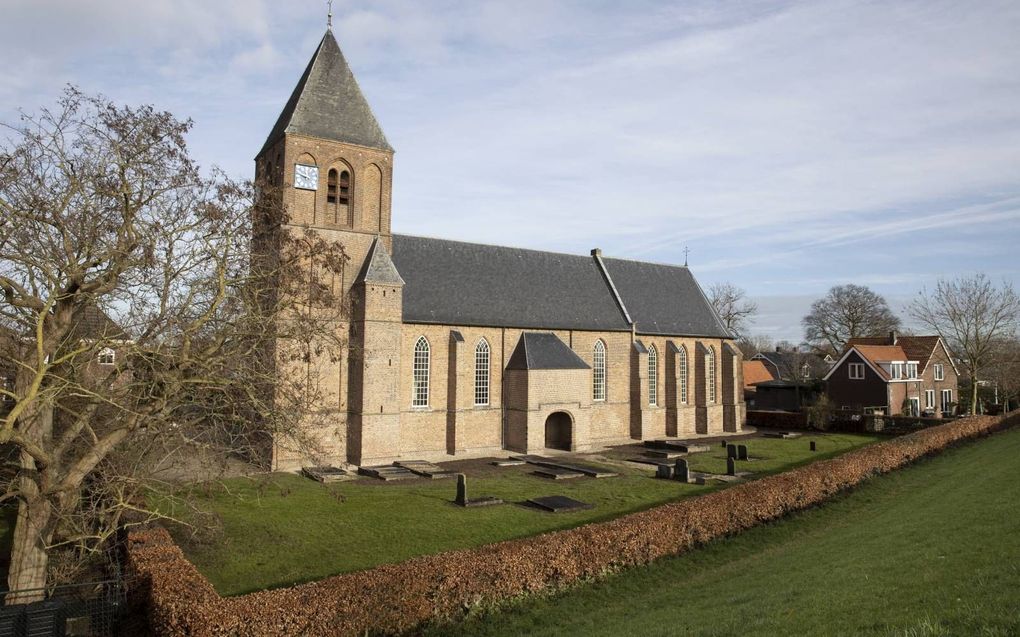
point(896, 371)
point(107, 356)
point(911, 370)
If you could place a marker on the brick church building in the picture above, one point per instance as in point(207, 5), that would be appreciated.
point(460, 349)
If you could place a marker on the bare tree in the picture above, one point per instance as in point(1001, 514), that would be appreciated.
point(732, 306)
point(751, 344)
point(1004, 372)
point(974, 317)
point(845, 312)
point(102, 210)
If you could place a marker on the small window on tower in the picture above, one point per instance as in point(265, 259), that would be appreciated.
point(345, 188)
point(331, 186)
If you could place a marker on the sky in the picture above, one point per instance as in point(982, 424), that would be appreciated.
point(791, 146)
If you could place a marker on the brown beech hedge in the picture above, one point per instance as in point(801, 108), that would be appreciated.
point(396, 598)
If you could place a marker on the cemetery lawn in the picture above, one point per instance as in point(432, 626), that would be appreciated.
point(933, 549)
point(285, 529)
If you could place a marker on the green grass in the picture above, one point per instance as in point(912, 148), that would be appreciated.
point(291, 529)
point(933, 549)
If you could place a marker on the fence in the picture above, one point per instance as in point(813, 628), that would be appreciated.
point(90, 609)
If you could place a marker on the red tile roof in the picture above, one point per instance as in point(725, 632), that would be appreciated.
point(755, 372)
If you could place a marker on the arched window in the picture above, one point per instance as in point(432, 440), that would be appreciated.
point(107, 356)
point(710, 374)
point(420, 395)
point(482, 373)
point(682, 364)
point(338, 187)
point(653, 376)
point(598, 391)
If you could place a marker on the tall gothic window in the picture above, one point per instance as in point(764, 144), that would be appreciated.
point(338, 187)
point(420, 396)
point(482, 373)
point(653, 376)
point(598, 391)
point(710, 374)
point(331, 185)
point(682, 363)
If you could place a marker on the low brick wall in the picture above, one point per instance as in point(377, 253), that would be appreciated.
point(396, 598)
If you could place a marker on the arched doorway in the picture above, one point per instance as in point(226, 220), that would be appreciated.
point(558, 428)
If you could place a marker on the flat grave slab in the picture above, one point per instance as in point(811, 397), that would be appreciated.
point(681, 446)
point(555, 473)
point(483, 502)
point(326, 474)
point(780, 434)
point(664, 453)
point(559, 504)
point(584, 469)
point(509, 462)
point(388, 473)
point(424, 469)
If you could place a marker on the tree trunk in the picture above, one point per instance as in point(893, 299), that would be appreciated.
point(974, 396)
point(29, 558)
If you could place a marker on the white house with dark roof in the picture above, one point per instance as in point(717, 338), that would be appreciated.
point(464, 350)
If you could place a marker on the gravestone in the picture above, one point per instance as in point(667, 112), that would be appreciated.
point(741, 452)
point(813, 448)
point(558, 503)
point(731, 467)
point(663, 471)
point(731, 451)
point(722, 443)
point(681, 471)
point(461, 490)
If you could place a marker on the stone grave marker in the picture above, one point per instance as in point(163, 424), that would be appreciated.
point(731, 467)
point(722, 443)
point(681, 471)
point(663, 471)
point(813, 447)
point(461, 490)
point(741, 452)
point(731, 451)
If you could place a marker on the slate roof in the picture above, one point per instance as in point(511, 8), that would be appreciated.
point(541, 350)
point(91, 323)
point(787, 363)
point(328, 103)
point(378, 267)
point(664, 299)
point(917, 348)
point(457, 283)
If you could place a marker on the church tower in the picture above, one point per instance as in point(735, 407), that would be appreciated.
point(332, 163)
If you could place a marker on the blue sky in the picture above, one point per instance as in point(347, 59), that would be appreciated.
point(791, 146)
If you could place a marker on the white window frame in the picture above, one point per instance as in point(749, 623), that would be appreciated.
point(929, 399)
point(710, 373)
point(598, 371)
point(912, 371)
point(683, 374)
point(482, 365)
point(421, 365)
point(653, 376)
point(939, 371)
point(107, 356)
point(896, 371)
point(858, 368)
point(946, 399)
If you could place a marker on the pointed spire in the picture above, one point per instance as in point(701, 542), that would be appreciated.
point(328, 103)
point(379, 267)
point(329, 15)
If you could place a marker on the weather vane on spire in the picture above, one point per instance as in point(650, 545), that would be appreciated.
point(329, 15)
point(686, 251)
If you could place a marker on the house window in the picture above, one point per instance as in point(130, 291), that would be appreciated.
point(896, 371)
point(653, 376)
point(107, 356)
point(947, 400)
point(929, 399)
point(856, 371)
point(420, 396)
point(915, 406)
point(598, 389)
point(682, 363)
point(911, 370)
point(482, 373)
point(710, 373)
point(940, 372)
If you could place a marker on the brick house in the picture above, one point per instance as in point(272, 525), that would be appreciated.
point(459, 349)
point(913, 375)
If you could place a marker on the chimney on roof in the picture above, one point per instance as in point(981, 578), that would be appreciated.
point(596, 252)
point(892, 337)
point(779, 349)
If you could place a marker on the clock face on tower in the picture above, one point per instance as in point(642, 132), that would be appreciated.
point(306, 177)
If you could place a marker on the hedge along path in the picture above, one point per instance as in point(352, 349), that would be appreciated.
point(396, 598)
